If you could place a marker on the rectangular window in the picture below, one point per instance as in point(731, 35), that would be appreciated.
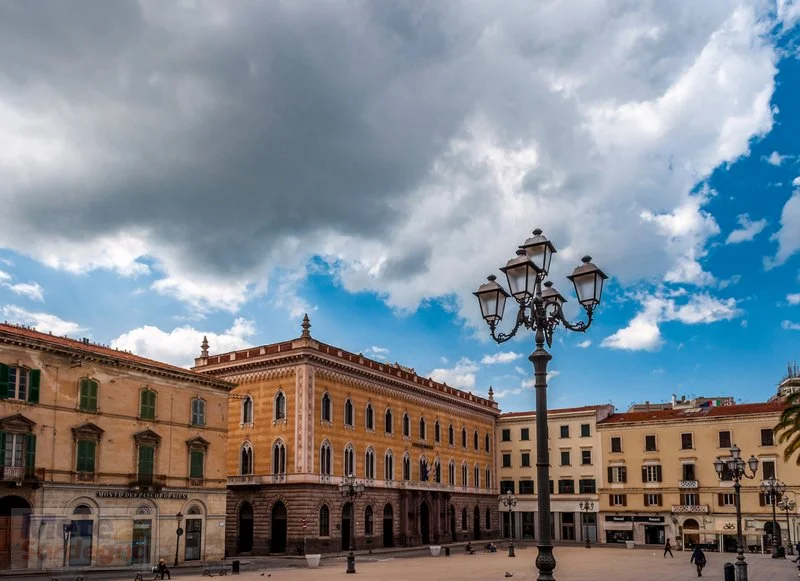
point(525, 434)
point(726, 499)
point(725, 439)
point(147, 405)
point(147, 455)
point(506, 435)
point(689, 499)
point(618, 500)
point(586, 430)
point(586, 457)
point(86, 455)
point(566, 486)
point(87, 401)
point(526, 486)
point(651, 473)
point(198, 412)
point(587, 486)
point(764, 499)
point(650, 443)
point(616, 445)
point(565, 431)
point(767, 437)
point(686, 442)
point(652, 500)
point(525, 460)
point(687, 471)
point(617, 474)
point(196, 458)
point(565, 458)
point(506, 486)
point(768, 468)
point(506, 460)
point(552, 489)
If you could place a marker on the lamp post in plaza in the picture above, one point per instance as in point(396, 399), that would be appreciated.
point(66, 529)
point(787, 505)
point(178, 533)
point(510, 501)
point(541, 312)
point(587, 507)
point(350, 490)
point(774, 489)
point(737, 468)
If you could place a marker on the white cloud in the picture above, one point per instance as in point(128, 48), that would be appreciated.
point(747, 231)
point(744, 323)
point(520, 370)
point(790, 326)
point(585, 344)
point(526, 384)
point(788, 237)
point(181, 345)
point(775, 158)
point(735, 279)
point(376, 352)
point(461, 375)
point(4, 277)
point(501, 357)
point(793, 298)
point(44, 322)
point(31, 290)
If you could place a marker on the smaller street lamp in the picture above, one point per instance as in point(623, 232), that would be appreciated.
point(178, 533)
point(787, 505)
point(510, 501)
point(350, 490)
point(774, 489)
point(587, 507)
point(66, 531)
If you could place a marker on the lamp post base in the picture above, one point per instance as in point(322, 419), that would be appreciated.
point(511, 549)
point(777, 553)
point(741, 568)
point(545, 563)
point(351, 563)
point(588, 543)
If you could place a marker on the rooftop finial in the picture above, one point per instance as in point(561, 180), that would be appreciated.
point(491, 393)
point(204, 347)
point(306, 326)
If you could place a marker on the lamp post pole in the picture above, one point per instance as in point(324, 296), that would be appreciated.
point(773, 488)
point(67, 531)
point(737, 469)
point(787, 505)
point(587, 507)
point(510, 501)
point(350, 490)
point(178, 533)
point(540, 311)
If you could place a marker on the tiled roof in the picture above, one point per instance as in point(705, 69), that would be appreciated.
point(14, 333)
point(585, 408)
point(695, 413)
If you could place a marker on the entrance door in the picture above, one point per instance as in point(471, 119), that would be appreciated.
point(453, 523)
point(278, 543)
point(245, 528)
point(476, 523)
point(141, 542)
point(654, 535)
point(15, 515)
point(80, 543)
point(194, 537)
point(425, 523)
point(346, 526)
point(388, 526)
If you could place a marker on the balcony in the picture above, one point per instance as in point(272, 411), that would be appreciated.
point(688, 484)
point(248, 480)
point(690, 508)
point(154, 481)
point(21, 474)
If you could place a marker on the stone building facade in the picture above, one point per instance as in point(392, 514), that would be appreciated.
point(99, 452)
point(305, 414)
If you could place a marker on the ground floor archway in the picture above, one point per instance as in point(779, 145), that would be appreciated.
point(346, 524)
point(425, 523)
point(476, 523)
point(245, 539)
point(278, 529)
point(453, 534)
point(388, 526)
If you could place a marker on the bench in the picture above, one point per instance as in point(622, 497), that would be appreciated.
point(212, 567)
point(145, 572)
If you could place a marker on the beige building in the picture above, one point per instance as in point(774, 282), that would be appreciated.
point(100, 450)
point(659, 479)
point(305, 414)
point(576, 463)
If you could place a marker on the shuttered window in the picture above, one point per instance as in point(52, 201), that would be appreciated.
point(87, 401)
point(86, 455)
point(196, 458)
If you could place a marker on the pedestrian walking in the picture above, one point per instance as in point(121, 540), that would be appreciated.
point(699, 560)
point(668, 549)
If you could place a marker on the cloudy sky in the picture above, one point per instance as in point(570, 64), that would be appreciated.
point(175, 169)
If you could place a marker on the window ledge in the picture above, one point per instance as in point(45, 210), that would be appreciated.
point(281, 421)
point(246, 425)
point(388, 434)
point(325, 423)
point(347, 427)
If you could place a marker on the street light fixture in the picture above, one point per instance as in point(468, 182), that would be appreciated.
point(350, 490)
point(541, 312)
point(788, 505)
point(510, 501)
point(66, 529)
point(737, 468)
point(178, 533)
point(774, 489)
point(587, 507)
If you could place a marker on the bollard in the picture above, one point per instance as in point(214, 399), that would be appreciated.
point(729, 572)
point(447, 551)
point(235, 567)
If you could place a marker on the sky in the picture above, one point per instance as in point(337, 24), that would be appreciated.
point(175, 169)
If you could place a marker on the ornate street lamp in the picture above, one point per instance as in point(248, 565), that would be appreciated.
point(350, 490)
point(774, 489)
point(788, 505)
point(541, 312)
point(510, 501)
point(587, 507)
point(178, 533)
point(736, 468)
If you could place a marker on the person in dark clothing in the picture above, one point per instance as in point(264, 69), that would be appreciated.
point(668, 549)
point(699, 560)
point(797, 550)
point(162, 569)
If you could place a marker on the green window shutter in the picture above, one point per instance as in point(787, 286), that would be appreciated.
point(196, 464)
point(33, 390)
point(147, 409)
point(2, 448)
point(146, 460)
point(83, 395)
point(3, 381)
point(86, 455)
point(30, 451)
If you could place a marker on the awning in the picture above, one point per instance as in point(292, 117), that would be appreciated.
point(755, 534)
point(618, 526)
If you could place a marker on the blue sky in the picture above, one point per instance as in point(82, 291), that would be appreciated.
point(371, 165)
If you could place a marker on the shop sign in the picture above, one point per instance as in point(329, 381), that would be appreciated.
point(134, 494)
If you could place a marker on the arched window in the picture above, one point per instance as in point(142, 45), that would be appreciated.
point(246, 458)
point(406, 425)
point(326, 408)
point(488, 519)
point(349, 460)
point(463, 437)
point(477, 476)
point(451, 473)
point(388, 466)
point(406, 467)
point(437, 467)
point(348, 412)
point(369, 464)
point(488, 478)
point(325, 459)
point(437, 436)
point(368, 521)
point(198, 412)
point(247, 410)
point(324, 521)
point(423, 469)
point(486, 443)
point(463, 519)
point(147, 404)
point(388, 424)
point(451, 435)
point(475, 439)
point(279, 457)
point(464, 473)
point(82, 509)
point(280, 406)
point(369, 417)
point(422, 429)
point(87, 400)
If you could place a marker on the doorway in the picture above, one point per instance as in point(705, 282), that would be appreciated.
point(425, 523)
point(193, 542)
point(278, 528)
point(346, 526)
point(245, 528)
point(654, 535)
point(80, 543)
point(476, 523)
point(388, 526)
point(141, 542)
point(15, 519)
point(453, 523)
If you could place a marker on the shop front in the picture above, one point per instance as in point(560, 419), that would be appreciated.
point(641, 529)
